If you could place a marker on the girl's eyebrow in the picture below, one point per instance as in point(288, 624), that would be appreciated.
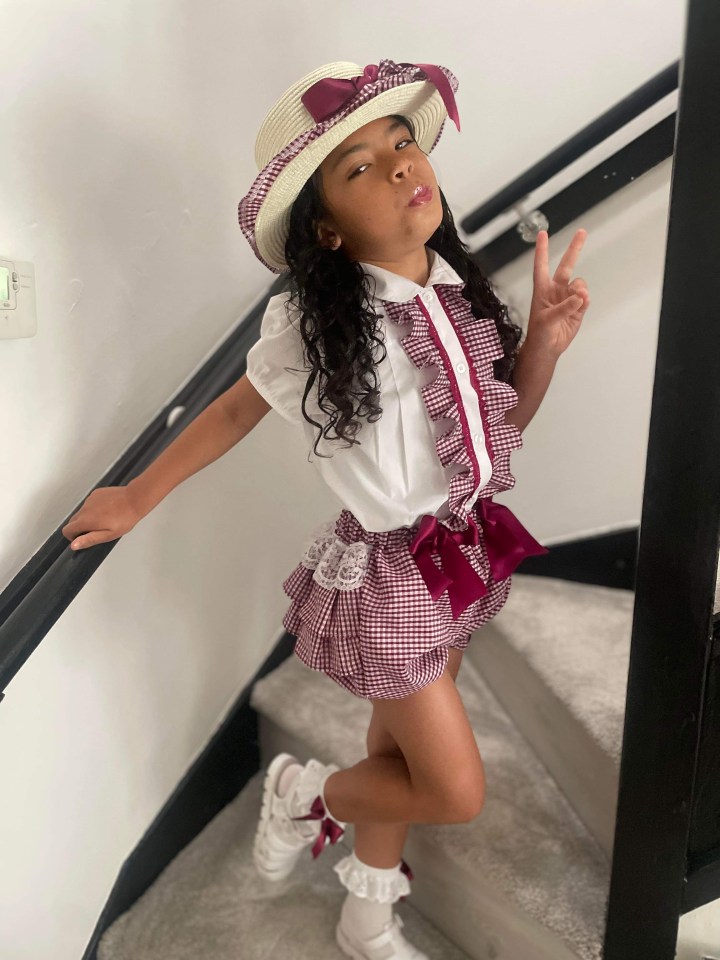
point(361, 146)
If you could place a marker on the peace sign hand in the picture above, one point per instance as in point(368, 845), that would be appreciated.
point(558, 305)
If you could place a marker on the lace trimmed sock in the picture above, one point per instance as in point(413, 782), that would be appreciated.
point(305, 784)
point(371, 894)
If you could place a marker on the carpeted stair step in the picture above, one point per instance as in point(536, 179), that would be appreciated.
point(210, 904)
point(523, 879)
point(556, 657)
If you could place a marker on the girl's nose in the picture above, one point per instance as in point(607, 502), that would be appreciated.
point(405, 167)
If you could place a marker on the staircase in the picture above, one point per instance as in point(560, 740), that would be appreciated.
point(544, 687)
point(210, 904)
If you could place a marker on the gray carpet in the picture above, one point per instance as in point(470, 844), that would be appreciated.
point(210, 904)
point(525, 864)
point(528, 856)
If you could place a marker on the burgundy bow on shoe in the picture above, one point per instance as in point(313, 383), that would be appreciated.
point(329, 828)
point(405, 868)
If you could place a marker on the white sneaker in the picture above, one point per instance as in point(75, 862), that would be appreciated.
point(389, 944)
point(281, 837)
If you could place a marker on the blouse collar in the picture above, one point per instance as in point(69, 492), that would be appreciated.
point(391, 286)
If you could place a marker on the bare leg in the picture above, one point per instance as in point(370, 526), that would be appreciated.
point(381, 844)
point(439, 779)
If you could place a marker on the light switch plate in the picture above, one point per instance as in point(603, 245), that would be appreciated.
point(18, 317)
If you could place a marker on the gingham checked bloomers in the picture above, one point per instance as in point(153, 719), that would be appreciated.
point(377, 610)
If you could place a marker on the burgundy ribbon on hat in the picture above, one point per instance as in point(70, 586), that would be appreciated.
point(329, 828)
point(329, 94)
point(506, 540)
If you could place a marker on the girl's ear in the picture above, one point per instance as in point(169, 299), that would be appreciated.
point(327, 238)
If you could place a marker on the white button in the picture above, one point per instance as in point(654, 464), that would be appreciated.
point(476, 438)
point(427, 296)
point(461, 368)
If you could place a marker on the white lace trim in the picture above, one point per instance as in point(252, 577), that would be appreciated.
point(337, 565)
point(364, 882)
point(308, 784)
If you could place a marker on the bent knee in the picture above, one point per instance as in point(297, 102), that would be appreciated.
point(461, 800)
point(381, 744)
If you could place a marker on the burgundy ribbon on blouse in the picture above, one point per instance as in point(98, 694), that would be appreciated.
point(507, 542)
point(328, 95)
point(329, 829)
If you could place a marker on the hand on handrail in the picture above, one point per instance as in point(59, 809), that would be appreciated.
point(106, 514)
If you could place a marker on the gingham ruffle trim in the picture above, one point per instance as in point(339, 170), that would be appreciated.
point(481, 344)
point(364, 883)
point(336, 564)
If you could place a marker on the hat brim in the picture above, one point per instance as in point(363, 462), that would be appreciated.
point(420, 101)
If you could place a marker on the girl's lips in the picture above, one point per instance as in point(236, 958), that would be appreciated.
point(424, 196)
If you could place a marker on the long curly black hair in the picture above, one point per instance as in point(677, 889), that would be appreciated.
point(339, 327)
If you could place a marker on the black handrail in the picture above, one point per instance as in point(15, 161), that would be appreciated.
point(45, 586)
point(612, 174)
point(578, 145)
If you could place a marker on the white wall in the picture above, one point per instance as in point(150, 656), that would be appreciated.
point(128, 133)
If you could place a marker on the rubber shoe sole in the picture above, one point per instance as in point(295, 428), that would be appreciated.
point(375, 947)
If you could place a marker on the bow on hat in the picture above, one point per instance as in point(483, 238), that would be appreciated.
point(506, 540)
point(329, 94)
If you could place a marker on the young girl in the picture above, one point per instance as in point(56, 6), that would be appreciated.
point(394, 356)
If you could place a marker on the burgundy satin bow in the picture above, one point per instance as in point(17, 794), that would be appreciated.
point(329, 94)
point(506, 540)
point(329, 829)
point(405, 868)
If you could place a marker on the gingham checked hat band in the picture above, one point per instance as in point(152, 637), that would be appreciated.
point(314, 116)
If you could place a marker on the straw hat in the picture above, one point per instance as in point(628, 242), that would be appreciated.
point(314, 116)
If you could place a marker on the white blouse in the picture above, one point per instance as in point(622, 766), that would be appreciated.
point(395, 474)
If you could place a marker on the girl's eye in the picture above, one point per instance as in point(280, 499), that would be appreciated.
point(407, 140)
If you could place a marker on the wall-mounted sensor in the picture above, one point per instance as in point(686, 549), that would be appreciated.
point(17, 299)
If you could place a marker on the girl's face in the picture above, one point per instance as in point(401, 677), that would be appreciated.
point(367, 182)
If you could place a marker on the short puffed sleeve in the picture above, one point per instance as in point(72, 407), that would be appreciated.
point(275, 363)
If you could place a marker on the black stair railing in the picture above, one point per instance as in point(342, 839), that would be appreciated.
point(639, 155)
point(45, 586)
point(666, 857)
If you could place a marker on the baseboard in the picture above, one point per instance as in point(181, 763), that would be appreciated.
point(606, 560)
point(230, 759)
